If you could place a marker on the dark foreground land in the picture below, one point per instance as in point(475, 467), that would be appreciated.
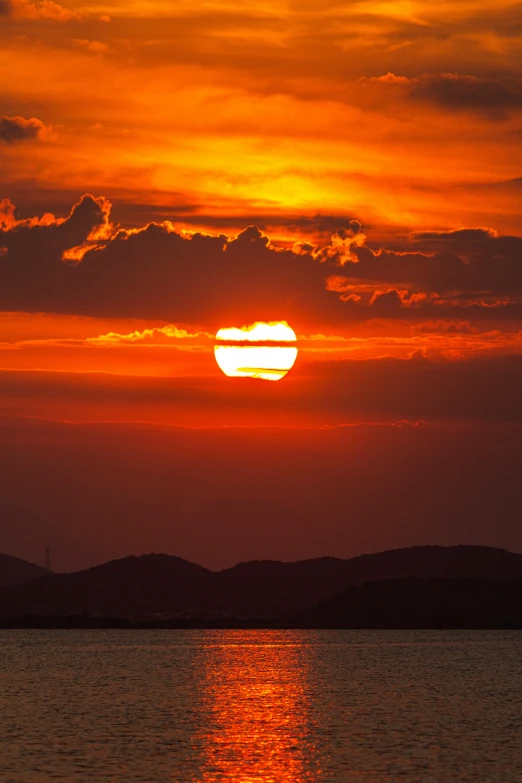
point(388, 604)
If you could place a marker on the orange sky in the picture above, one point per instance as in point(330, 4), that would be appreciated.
point(377, 146)
point(401, 114)
point(168, 169)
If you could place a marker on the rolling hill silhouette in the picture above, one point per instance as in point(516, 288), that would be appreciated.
point(165, 586)
point(14, 570)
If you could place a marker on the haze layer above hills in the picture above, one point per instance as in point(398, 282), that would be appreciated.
point(220, 496)
point(26, 535)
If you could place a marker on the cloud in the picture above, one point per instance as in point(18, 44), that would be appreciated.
point(388, 78)
point(494, 97)
point(314, 227)
point(15, 129)
point(41, 9)
point(82, 264)
point(473, 261)
point(474, 235)
point(157, 336)
point(153, 270)
point(95, 47)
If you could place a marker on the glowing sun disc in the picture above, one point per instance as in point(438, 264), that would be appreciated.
point(238, 356)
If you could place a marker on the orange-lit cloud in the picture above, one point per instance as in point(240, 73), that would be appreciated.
point(40, 9)
point(362, 133)
point(155, 336)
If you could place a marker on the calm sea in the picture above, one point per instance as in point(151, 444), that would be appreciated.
point(268, 706)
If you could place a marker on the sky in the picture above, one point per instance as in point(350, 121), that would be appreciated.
point(169, 169)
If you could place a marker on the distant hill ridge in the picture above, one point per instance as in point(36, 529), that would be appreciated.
point(158, 585)
point(14, 570)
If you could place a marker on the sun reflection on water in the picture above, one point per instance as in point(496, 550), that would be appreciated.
point(257, 707)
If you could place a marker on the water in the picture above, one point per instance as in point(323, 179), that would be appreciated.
point(267, 706)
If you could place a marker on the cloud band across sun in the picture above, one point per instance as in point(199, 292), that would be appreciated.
point(266, 351)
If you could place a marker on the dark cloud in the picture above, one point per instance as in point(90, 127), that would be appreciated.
point(81, 265)
point(321, 225)
point(474, 235)
point(465, 260)
point(5, 8)
point(13, 129)
point(495, 98)
point(156, 272)
point(54, 236)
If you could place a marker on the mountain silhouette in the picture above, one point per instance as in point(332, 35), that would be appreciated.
point(14, 570)
point(165, 586)
point(26, 535)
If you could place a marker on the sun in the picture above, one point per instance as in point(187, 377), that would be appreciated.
point(261, 350)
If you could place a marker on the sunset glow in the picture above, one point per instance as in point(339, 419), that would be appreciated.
point(196, 196)
point(181, 181)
